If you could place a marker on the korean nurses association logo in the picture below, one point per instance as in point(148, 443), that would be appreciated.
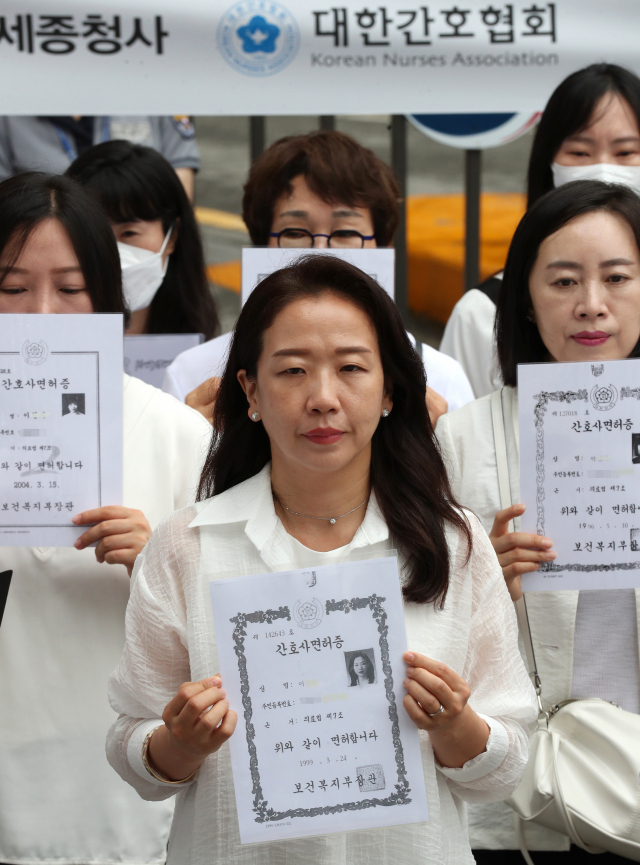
point(258, 37)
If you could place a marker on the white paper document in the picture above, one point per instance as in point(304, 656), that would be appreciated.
point(260, 261)
point(60, 424)
point(147, 356)
point(580, 471)
point(311, 661)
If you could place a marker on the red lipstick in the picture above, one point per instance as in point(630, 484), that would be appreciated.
point(324, 435)
point(591, 337)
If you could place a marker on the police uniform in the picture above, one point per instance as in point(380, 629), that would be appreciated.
point(39, 144)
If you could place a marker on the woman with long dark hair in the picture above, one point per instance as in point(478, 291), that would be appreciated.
point(164, 278)
point(571, 292)
point(63, 627)
point(590, 129)
point(322, 445)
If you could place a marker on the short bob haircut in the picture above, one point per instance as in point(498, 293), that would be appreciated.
point(134, 182)
point(518, 339)
point(408, 475)
point(28, 199)
point(336, 168)
point(569, 110)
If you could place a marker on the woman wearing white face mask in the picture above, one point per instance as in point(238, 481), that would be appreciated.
point(63, 626)
point(163, 270)
point(590, 130)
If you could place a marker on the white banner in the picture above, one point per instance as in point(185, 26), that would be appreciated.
point(308, 57)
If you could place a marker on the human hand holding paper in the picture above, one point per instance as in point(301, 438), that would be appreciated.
point(436, 701)
point(518, 552)
point(120, 534)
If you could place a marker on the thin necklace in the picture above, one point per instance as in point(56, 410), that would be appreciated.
point(331, 520)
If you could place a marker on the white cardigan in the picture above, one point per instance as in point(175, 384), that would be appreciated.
point(171, 639)
point(61, 636)
point(467, 444)
point(468, 337)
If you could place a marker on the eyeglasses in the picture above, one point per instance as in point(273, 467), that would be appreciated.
point(300, 238)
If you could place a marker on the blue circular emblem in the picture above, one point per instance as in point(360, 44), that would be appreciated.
point(258, 37)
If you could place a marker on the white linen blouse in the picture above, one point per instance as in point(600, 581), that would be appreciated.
point(586, 643)
point(171, 639)
point(61, 636)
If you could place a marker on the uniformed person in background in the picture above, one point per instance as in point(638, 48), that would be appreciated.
point(51, 144)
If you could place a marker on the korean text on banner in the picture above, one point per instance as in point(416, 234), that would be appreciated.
point(160, 56)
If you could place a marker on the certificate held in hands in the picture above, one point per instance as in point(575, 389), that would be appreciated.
point(311, 660)
point(60, 424)
point(580, 472)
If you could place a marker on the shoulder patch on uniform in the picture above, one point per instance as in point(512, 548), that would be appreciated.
point(183, 124)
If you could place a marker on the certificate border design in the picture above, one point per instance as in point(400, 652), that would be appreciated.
point(68, 525)
point(264, 813)
point(566, 396)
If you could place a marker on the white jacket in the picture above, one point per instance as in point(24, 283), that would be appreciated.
point(61, 636)
point(468, 337)
point(467, 444)
point(171, 639)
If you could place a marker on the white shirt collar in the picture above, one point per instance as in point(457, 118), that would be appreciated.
point(251, 502)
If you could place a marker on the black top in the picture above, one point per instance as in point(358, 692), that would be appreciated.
point(5, 580)
point(491, 287)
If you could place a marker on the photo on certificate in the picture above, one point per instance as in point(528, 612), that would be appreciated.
point(312, 662)
point(60, 424)
point(580, 471)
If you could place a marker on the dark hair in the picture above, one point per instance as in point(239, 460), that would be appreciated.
point(336, 168)
point(370, 674)
point(134, 182)
point(28, 199)
point(407, 472)
point(518, 339)
point(569, 110)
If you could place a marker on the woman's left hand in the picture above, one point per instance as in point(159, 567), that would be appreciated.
point(121, 533)
point(437, 701)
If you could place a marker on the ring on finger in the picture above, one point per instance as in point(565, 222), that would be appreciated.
point(433, 714)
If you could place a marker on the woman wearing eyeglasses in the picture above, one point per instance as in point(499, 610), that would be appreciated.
point(320, 190)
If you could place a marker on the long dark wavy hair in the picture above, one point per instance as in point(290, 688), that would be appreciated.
point(135, 182)
point(408, 475)
point(517, 336)
point(569, 110)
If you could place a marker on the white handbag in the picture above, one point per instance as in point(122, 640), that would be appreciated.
point(583, 775)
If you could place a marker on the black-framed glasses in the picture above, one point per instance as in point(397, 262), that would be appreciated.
point(300, 238)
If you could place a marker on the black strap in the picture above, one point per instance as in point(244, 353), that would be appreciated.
point(5, 582)
point(491, 287)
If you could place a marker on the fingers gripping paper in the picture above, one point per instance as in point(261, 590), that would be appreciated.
point(312, 662)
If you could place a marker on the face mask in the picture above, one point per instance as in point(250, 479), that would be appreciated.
point(627, 175)
point(142, 273)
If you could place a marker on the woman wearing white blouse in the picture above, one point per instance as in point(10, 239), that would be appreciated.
point(63, 627)
point(571, 292)
point(323, 445)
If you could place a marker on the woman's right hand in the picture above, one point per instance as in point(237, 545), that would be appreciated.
point(197, 722)
point(518, 553)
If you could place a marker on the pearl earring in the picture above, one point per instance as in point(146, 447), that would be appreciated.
point(385, 412)
point(254, 415)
